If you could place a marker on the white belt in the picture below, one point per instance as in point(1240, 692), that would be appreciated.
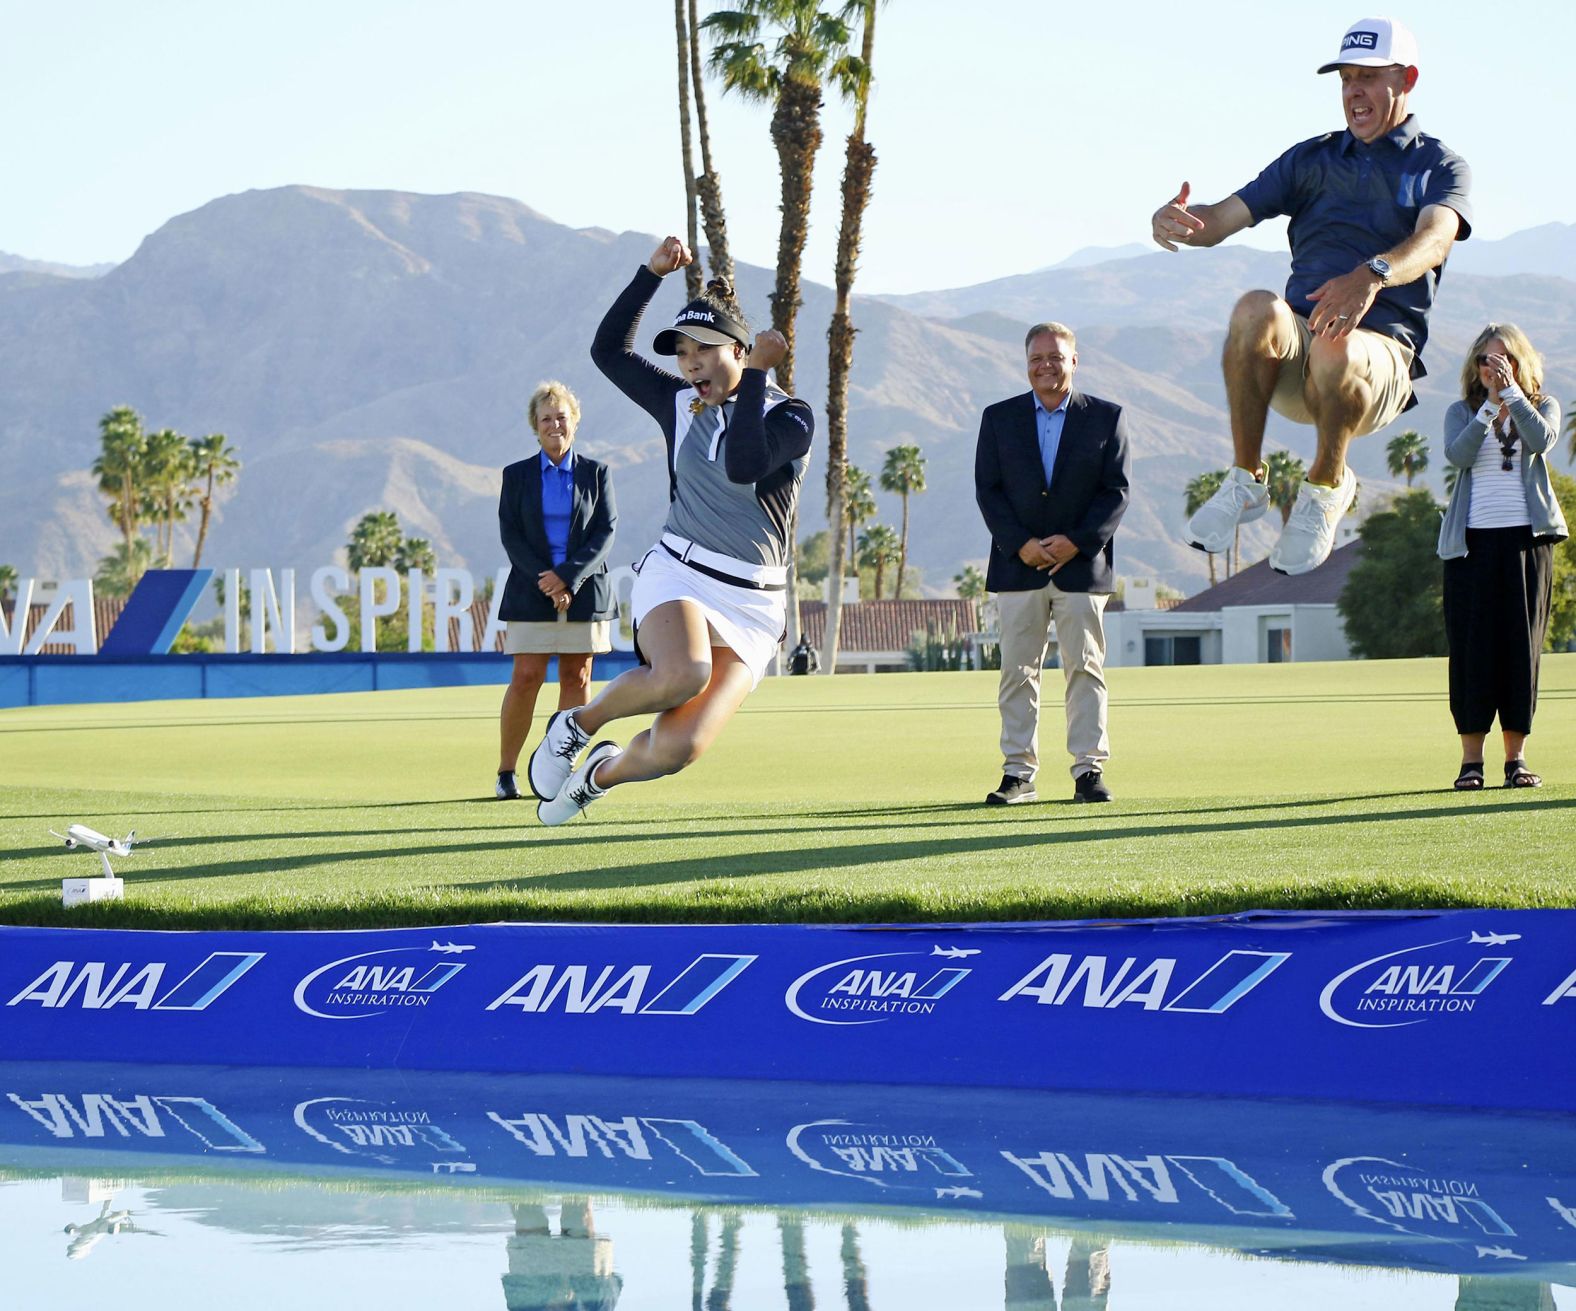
point(757, 575)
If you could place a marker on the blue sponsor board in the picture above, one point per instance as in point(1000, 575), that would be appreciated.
point(1458, 1008)
point(1438, 1190)
point(162, 601)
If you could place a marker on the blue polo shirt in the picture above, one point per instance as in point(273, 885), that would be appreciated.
point(1350, 201)
point(558, 502)
point(1049, 425)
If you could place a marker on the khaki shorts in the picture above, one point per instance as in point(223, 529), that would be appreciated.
point(560, 636)
point(1382, 361)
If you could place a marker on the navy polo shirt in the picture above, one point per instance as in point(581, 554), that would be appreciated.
point(1350, 201)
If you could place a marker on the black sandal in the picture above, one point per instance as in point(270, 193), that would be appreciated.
point(1470, 779)
point(1517, 775)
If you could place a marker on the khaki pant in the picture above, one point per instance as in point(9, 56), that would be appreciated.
point(1381, 361)
point(1026, 620)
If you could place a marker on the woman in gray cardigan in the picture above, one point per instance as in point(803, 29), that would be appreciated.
point(1497, 542)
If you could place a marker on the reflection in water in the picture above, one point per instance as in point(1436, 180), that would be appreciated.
point(1478, 1294)
point(555, 1272)
point(108, 1222)
point(1029, 1286)
point(559, 1251)
point(856, 1284)
point(796, 1196)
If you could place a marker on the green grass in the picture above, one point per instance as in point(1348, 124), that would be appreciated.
point(850, 799)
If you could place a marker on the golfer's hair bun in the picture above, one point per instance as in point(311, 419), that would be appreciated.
point(721, 288)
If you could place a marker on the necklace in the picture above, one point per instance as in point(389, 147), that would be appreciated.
point(1506, 437)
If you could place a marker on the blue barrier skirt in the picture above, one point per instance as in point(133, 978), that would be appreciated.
point(1473, 1008)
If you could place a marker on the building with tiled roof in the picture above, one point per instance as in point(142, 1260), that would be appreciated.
point(1256, 616)
point(874, 636)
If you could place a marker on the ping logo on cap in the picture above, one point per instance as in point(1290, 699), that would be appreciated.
point(1359, 41)
point(696, 316)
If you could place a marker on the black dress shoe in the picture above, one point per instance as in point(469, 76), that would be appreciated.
point(1089, 786)
point(1012, 792)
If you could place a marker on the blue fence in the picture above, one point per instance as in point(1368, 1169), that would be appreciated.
point(71, 680)
point(1473, 1008)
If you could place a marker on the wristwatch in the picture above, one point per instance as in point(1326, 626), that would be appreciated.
point(1380, 266)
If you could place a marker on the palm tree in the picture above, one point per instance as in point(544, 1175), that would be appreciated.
point(859, 506)
point(970, 583)
point(878, 547)
point(1570, 429)
point(709, 183)
point(118, 469)
point(213, 460)
point(415, 553)
point(810, 48)
point(692, 275)
point(903, 473)
point(1198, 490)
point(856, 1280)
point(7, 580)
point(1283, 481)
point(166, 477)
point(797, 1288)
point(121, 570)
point(699, 1241)
point(858, 168)
point(1407, 454)
point(721, 1298)
point(374, 541)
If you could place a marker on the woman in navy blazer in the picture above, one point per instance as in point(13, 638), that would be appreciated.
point(556, 518)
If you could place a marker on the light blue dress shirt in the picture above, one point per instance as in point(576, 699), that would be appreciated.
point(558, 503)
point(1049, 424)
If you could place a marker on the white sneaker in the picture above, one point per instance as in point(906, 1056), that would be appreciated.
point(554, 758)
point(1309, 534)
point(580, 791)
point(1240, 499)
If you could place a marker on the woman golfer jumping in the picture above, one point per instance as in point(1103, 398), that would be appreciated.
point(710, 597)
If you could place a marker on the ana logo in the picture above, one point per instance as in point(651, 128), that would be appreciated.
point(575, 990)
point(1414, 984)
point(697, 316)
point(362, 1128)
point(99, 985)
point(347, 989)
point(876, 994)
point(1360, 41)
point(881, 1156)
point(1096, 982)
point(1410, 1200)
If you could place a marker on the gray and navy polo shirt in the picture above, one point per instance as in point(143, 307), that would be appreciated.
point(734, 471)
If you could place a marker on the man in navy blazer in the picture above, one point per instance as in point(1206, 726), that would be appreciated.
point(1051, 478)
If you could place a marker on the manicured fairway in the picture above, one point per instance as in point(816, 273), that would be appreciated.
point(846, 799)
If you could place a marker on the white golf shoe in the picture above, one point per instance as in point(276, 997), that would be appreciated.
point(1240, 499)
point(554, 758)
point(579, 792)
point(1309, 535)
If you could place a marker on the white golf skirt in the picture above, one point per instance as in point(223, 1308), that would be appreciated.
point(749, 621)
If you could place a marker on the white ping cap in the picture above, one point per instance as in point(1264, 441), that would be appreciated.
point(1376, 43)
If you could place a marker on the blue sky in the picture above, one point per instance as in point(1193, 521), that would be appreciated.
point(1009, 133)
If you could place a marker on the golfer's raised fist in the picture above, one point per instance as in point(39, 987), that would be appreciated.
point(671, 254)
point(770, 349)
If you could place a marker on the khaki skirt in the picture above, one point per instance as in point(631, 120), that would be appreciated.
point(558, 637)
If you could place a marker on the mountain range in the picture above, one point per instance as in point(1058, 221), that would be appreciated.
point(375, 350)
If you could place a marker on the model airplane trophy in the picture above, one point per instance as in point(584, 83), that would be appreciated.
point(107, 887)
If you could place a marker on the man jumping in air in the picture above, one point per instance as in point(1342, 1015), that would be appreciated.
point(1374, 210)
